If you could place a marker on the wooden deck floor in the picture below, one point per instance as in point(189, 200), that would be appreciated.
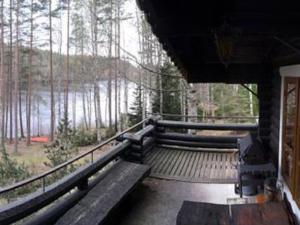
point(192, 166)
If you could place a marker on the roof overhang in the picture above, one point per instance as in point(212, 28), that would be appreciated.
point(191, 33)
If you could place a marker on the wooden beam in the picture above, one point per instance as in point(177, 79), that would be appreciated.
point(177, 27)
point(250, 90)
point(287, 44)
point(203, 126)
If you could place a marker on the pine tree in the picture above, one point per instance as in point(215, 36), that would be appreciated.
point(136, 114)
point(63, 148)
point(11, 171)
point(170, 93)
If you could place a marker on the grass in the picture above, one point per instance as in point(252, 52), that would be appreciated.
point(34, 156)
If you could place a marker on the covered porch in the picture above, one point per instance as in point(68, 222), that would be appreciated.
point(242, 42)
point(235, 42)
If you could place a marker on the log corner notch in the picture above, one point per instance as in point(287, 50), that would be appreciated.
point(142, 142)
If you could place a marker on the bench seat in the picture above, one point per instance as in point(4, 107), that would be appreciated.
point(96, 206)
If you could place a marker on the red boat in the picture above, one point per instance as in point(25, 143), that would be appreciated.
point(42, 139)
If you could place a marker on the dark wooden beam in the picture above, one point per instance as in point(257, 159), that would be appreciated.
point(186, 32)
point(178, 26)
point(234, 73)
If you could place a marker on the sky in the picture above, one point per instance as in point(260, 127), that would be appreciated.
point(129, 33)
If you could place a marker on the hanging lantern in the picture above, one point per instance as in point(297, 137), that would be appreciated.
point(225, 38)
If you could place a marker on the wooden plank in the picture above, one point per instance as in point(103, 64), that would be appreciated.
point(138, 136)
point(193, 166)
point(197, 213)
point(186, 165)
point(160, 160)
point(228, 167)
point(178, 161)
point(218, 165)
point(162, 163)
point(213, 166)
point(180, 166)
point(197, 138)
point(150, 156)
point(203, 165)
point(220, 169)
point(167, 162)
point(207, 166)
point(210, 166)
point(173, 162)
point(199, 166)
point(156, 156)
point(102, 199)
point(212, 145)
point(204, 126)
point(170, 163)
point(190, 165)
point(260, 214)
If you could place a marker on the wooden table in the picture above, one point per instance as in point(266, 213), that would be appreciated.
point(196, 213)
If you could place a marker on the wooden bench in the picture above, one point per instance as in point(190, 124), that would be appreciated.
point(98, 204)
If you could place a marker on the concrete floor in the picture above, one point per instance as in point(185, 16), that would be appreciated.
point(157, 202)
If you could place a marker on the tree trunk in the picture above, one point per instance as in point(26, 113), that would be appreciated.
point(251, 101)
point(125, 124)
point(52, 104)
point(89, 108)
point(60, 83)
point(29, 81)
point(182, 100)
point(2, 81)
point(11, 74)
point(74, 108)
point(109, 89)
point(116, 98)
point(84, 108)
point(66, 91)
point(97, 110)
point(38, 118)
point(6, 113)
point(16, 80)
point(20, 115)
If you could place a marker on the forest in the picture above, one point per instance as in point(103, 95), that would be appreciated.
point(79, 71)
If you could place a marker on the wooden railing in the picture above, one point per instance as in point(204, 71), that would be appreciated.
point(206, 119)
point(168, 134)
point(43, 176)
point(43, 196)
point(137, 144)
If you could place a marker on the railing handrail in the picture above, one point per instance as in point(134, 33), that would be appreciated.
point(69, 162)
point(204, 117)
point(205, 126)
